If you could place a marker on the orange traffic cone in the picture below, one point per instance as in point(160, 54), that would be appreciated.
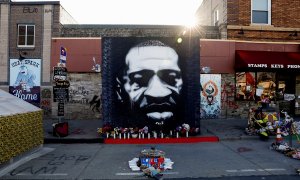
point(278, 136)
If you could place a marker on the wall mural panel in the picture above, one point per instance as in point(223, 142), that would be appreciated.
point(210, 95)
point(25, 80)
point(84, 96)
point(150, 82)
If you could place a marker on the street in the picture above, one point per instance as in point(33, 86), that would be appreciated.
point(230, 159)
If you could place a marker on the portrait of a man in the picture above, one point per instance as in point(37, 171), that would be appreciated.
point(149, 84)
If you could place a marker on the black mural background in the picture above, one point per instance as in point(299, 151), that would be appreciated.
point(114, 50)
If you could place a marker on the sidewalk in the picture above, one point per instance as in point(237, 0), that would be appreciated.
point(80, 131)
point(85, 131)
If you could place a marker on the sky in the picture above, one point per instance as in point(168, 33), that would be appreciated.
point(155, 12)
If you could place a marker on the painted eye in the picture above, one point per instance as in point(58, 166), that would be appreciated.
point(141, 78)
point(169, 76)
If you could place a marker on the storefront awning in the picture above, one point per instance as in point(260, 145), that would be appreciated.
point(266, 61)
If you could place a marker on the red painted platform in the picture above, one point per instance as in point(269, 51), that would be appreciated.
point(162, 140)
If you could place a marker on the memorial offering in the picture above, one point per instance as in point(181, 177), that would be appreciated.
point(152, 162)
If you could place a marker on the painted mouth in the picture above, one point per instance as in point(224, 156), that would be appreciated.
point(160, 115)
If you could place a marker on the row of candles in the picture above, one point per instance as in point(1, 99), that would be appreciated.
point(143, 135)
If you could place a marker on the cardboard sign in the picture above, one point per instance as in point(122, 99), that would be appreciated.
point(59, 73)
point(60, 94)
point(62, 84)
point(61, 108)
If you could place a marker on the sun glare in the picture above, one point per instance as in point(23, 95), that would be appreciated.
point(191, 23)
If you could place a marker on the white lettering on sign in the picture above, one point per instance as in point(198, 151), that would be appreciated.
point(258, 65)
point(277, 66)
point(294, 66)
point(19, 94)
point(26, 61)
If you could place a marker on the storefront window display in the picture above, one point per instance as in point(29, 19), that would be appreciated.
point(245, 85)
point(266, 86)
point(259, 86)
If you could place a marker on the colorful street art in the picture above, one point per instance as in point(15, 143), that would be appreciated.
point(149, 82)
point(25, 80)
point(210, 95)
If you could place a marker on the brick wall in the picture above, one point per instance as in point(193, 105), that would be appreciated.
point(260, 35)
point(56, 26)
point(208, 32)
point(286, 13)
point(4, 31)
point(230, 108)
point(285, 20)
point(26, 14)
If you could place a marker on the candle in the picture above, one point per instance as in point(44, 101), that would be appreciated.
point(139, 135)
point(171, 133)
point(124, 135)
point(187, 134)
point(148, 135)
point(161, 135)
point(120, 136)
point(143, 136)
point(177, 135)
point(128, 135)
point(114, 136)
point(107, 135)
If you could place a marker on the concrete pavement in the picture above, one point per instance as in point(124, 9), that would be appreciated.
point(241, 158)
point(235, 155)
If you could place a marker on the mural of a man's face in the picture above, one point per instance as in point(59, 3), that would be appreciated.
point(153, 80)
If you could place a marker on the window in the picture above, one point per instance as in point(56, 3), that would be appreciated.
point(245, 85)
point(256, 85)
point(26, 35)
point(261, 11)
point(216, 17)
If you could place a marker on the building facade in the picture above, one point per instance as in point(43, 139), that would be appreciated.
point(221, 19)
point(252, 20)
point(266, 32)
point(26, 31)
point(35, 32)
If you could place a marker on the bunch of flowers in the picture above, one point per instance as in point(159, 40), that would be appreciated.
point(117, 130)
point(184, 128)
point(194, 131)
point(144, 130)
point(124, 130)
point(106, 129)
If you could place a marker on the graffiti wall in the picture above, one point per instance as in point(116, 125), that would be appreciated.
point(84, 97)
point(150, 82)
point(25, 80)
point(210, 95)
point(84, 75)
point(230, 106)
